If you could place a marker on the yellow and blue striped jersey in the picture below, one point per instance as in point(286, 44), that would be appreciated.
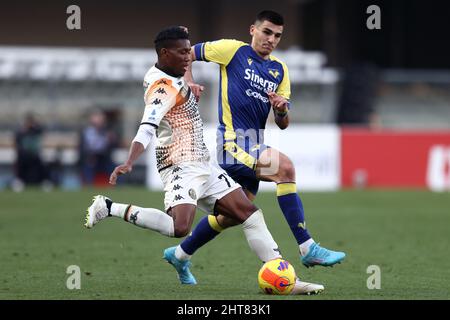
point(245, 79)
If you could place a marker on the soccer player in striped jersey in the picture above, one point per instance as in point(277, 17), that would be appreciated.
point(190, 179)
point(252, 83)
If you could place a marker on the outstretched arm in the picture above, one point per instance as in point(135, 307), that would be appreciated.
point(136, 150)
point(138, 145)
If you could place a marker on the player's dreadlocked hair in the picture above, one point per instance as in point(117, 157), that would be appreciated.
point(270, 16)
point(165, 38)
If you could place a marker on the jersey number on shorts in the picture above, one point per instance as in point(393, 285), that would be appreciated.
point(226, 180)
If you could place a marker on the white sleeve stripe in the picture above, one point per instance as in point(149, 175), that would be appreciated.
point(144, 134)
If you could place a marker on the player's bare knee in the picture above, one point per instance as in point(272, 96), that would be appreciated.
point(247, 211)
point(181, 231)
point(286, 171)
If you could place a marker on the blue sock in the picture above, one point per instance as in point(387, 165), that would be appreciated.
point(292, 208)
point(206, 230)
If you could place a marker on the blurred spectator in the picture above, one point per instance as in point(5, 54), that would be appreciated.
point(55, 167)
point(29, 167)
point(96, 144)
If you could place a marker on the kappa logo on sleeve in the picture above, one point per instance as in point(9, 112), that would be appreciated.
point(161, 91)
point(156, 101)
point(162, 81)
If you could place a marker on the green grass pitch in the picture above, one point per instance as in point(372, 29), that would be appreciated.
point(405, 233)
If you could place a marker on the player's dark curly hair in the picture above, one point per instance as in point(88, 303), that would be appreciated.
point(270, 16)
point(165, 37)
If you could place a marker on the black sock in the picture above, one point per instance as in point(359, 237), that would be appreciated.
point(108, 205)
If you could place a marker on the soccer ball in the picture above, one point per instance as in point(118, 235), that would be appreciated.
point(277, 277)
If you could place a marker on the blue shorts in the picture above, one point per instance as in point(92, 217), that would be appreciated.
point(239, 161)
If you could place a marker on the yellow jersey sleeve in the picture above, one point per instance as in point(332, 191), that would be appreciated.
point(220, 51)
point(284, 89)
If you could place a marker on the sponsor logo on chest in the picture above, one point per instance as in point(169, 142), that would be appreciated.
point(259, 82)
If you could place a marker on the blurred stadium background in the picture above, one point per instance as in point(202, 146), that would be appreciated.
point(370, 108)
point(390, 81)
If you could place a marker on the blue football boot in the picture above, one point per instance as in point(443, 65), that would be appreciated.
point(182, 267)
point(321, 256)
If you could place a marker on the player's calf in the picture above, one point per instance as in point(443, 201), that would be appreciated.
point(183, 217)
point(149, 218)
point(259, 237)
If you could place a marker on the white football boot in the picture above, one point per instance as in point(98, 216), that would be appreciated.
point(96, 212)
point(306, 288)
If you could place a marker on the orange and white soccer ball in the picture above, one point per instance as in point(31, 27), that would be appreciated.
point(277, 277)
